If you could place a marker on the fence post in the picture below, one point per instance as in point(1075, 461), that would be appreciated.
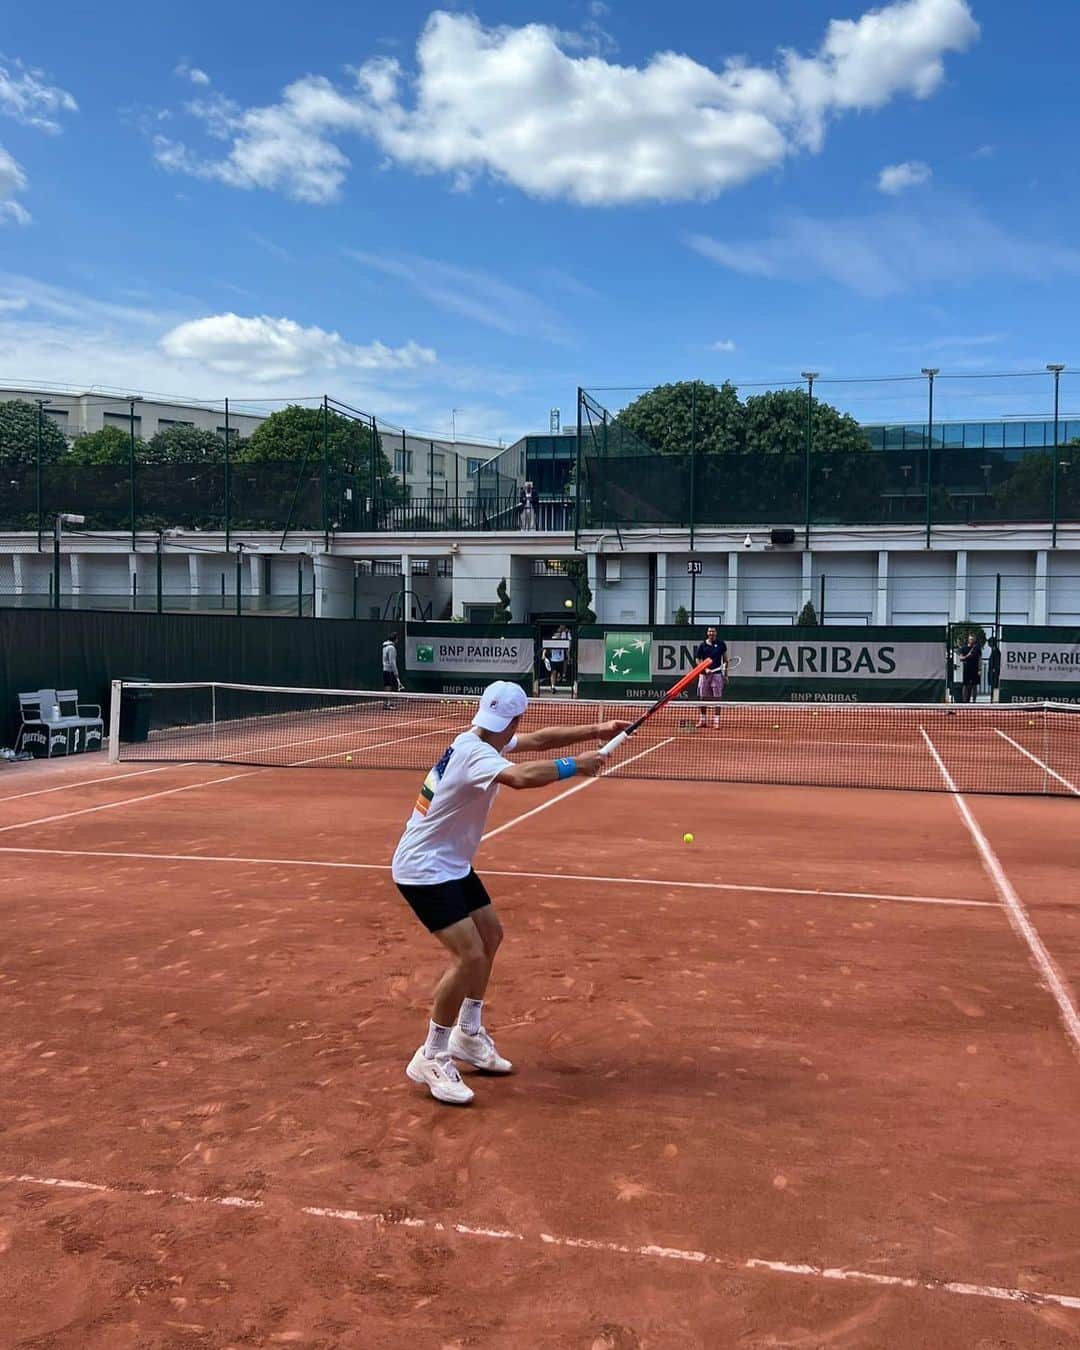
point(809, 376)
point(997, 604)
point(325, 472)
point(355, 587)
point(56, 565)
point(131, 469)
point(299, 585)
point(693, 461)
point(239, 578)
point(228, 478)
point(821, 606)
point(929, 372)
point(39, 488)
point(579, 486)
point(158, 576)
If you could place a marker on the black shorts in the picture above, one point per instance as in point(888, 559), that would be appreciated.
point(389, 680)
point(446, 902)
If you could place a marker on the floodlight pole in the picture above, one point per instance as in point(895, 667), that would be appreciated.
point(809, 376)
point(929, 372)
point(1055, 370)
point(131, 465)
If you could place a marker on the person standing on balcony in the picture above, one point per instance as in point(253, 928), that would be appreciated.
point(528, 507)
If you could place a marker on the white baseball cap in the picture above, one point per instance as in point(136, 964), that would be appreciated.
point(500, 703)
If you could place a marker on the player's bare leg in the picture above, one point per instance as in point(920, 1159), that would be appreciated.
point(465, 979)
point(470, 1040)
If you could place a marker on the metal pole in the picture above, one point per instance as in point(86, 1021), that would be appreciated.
point(325, 472)
point(693, 597)
point(228, 478)
point(56, 564)
point(355, 588)
point(821, 604)
point(1055, 370)
point(38, 488)
point(431, 475)
point(929, 372)
point(159, 576)
point(239, 578)
point(997, 605)
point(577, 474)
point(300, 585)
point(131, 470)
point(693, 462)
point(809, 376)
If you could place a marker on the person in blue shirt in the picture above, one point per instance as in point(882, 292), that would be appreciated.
point(711, 683)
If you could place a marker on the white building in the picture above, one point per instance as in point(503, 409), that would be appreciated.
point(76, 412)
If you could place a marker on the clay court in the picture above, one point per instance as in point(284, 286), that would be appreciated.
point(812, 1080)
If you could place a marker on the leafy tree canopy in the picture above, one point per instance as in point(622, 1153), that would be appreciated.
point(19, 434)
point(293, 432)
point(775, 422)
point(189, 445)
point(110, 445)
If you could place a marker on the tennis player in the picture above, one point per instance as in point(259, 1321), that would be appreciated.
point(710, 686)
point(432, 867)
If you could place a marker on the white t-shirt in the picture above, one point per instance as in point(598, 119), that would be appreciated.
point(444, 830)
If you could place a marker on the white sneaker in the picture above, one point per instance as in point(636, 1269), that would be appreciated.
point(441, 1077)
point(478, 1050)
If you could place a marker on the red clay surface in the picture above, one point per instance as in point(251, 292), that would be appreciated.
point(862, 1084)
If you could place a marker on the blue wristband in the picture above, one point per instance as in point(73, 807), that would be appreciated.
point(566, 768)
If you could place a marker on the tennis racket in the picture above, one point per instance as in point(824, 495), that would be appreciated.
point(674, 692)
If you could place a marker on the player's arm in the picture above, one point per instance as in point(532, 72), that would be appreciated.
point(553, 738)
point(543, 771)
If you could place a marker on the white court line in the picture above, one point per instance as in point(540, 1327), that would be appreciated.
point(748, 1265)
point(89, 782)
point(191, 787)
point(1036, 760)
point(1014, 908)
point(578, 787)
point(490, 872)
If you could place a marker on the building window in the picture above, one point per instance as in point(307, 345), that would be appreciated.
point(402, 462)
point(549, 567)
point(122, 420)
point(438, 463)
point(421, 567)
point(59, 416)
point(168, 422)
point(473, 465)
point(386, 567)
point(233, 432)
point(444, 567)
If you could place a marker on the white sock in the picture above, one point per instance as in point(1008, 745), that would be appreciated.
point(469, 1018)
point(438, 1040)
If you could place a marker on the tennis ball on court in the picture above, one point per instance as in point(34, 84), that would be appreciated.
point(348, 759)
point(1031, 723)
point(688, 838)
point(776, 726)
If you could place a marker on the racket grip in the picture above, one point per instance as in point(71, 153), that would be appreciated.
point(612, 745)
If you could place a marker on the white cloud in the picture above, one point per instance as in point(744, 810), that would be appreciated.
point(192, 73)
point(28, 98)
point(514, 104)
point(888, 253)
point(897, 178)
point(724, 345)
point(12, 182)
point(263, 348)
point(473, 294)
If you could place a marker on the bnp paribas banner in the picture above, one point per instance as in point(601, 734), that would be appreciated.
point(797, 665)
point(458, 658)
point(1040, 664)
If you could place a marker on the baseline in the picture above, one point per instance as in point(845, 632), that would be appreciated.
point(749, 1265)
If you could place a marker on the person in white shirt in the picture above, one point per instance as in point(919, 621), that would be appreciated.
point(432, 868)
point(390, 677)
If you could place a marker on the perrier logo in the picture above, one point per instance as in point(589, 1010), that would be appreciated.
point(425, 652)
point(628, 657)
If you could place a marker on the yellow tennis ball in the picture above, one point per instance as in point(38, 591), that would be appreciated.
point(688, 838)
point(1031, 723)
point(776, 726)
point(348, 759)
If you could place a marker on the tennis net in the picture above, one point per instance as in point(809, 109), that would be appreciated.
point(996, 748)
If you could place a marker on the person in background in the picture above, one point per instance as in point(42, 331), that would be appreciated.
point(528, 506)
point(711, 683)
point(390, 679)
point(970, 657)
point(549, 670)
point(994, 671)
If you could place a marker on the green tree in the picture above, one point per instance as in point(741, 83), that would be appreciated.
point(110, 445)
point(1027, 493)
point(502, 609)
point(669, 416)
point(19, 434)
point(775, 422)
point(682, 617)
point(189, 445)
point(583, 611)
point(807, 616)
point(293, 432)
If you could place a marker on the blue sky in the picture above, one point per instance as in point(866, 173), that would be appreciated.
point(420, 210)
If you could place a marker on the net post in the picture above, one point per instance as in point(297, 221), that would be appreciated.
point(115, 691)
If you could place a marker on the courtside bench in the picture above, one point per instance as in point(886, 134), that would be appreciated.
point(54, 722)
